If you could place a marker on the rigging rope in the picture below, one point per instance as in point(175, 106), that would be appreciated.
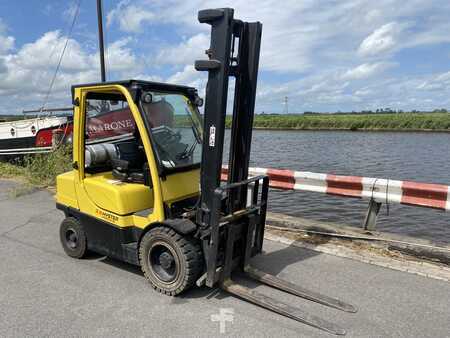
point(75, 16)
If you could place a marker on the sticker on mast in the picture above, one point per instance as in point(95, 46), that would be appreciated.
point(212, 136)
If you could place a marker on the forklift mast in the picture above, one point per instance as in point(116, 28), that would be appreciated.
point(234, 51)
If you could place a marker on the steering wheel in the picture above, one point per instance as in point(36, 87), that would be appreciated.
point(168, 137)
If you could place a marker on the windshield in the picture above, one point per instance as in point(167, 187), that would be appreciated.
point(175, 128)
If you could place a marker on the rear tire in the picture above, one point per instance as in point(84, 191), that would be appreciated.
point(73, 238)
point(171, 262)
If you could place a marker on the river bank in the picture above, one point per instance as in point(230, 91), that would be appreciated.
point(361, 130)
point(414, 122)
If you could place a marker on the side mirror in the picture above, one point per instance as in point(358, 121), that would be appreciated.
point(198, 101)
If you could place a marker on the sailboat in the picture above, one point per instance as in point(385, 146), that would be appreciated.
point(31, 135)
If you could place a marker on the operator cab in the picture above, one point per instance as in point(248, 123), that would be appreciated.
point(116, 164)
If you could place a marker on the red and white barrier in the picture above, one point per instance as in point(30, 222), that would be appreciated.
point(381, 190)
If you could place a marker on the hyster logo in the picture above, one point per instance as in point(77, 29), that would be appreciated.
point(107, 216)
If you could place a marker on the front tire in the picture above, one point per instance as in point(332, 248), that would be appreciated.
point(73, 238)
point(171, 262)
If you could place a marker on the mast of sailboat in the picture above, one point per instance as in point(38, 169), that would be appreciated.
point(100, 39)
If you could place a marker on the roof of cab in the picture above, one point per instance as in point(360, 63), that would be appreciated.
point(135, 84)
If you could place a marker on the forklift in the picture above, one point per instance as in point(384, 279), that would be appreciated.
point(152, 196)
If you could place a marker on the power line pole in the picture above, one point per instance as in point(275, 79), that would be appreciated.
point(100, 39)
point(286, 105)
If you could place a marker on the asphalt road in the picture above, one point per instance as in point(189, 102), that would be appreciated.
point(45, 293)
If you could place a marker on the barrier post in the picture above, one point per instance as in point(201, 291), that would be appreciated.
point(370, 221)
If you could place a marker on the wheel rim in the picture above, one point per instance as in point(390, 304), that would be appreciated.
point(71, 237)
point(163, 262)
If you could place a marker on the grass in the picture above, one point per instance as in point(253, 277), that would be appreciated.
point(8, 170)
point(38, 170)
point(399, 121)
point(42, 169)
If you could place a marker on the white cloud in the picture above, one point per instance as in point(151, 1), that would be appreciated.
point(288, 44)
point(436, 34)
point(381, 40)
point(298, 36)
point(30, 70)
point(120, 57)
point(441, 82)
point(45, 53)
point(328, 92)
point(186, 52)
point(146, 77)
point(366, 70)
point(189, 77)
point(6, 42)
point(130, 17)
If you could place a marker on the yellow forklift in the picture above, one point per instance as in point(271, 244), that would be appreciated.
point(146, 181)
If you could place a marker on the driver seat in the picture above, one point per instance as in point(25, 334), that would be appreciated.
point(122, 172)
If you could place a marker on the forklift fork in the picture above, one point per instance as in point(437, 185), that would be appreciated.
point(297, 290)
point(279, 307)
point(273, 304)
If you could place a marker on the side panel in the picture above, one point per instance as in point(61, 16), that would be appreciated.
point(118, 197)
point(181, 185)
point(65, 189)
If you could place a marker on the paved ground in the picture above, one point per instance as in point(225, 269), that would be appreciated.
point(45, 293)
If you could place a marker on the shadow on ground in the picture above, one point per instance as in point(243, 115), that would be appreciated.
point(273, 262)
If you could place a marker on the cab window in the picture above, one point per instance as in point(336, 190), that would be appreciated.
point(175, 128)
point(112, 141)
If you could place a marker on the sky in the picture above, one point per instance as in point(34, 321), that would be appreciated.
point(323, 55)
